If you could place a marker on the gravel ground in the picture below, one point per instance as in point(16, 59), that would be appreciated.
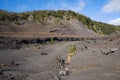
point(90, 63)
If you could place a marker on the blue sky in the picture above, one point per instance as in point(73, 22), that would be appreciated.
point(107, 11)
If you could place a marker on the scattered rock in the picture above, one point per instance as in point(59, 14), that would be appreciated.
point(21, 22)
point(39, 47)
point(12, 78)
point(110, 39)
point(109, 51)
point(112, 50)
point(1, 73)
point(43, 53)
point(86, 47)
point(64, 72)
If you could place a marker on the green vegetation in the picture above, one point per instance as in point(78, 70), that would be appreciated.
point(7, 17)
point(105, 28)
point(72, 49)
point(51, 40)
point(117, 28)
point(43, 16)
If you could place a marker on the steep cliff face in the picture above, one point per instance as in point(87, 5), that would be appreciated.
point(72, 27)
point(65, 20)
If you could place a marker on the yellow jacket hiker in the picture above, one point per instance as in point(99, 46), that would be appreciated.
point(71, 52)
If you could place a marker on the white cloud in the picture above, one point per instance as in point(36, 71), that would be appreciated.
point(111, 6)
point(22, 7)
point(115, 21)
point(75, 7)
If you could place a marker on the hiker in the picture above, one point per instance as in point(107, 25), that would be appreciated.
point(56, 65)
point(59, 63)
point(62, 63)
point(58, 60)
point(71, 52)
point(12, 63)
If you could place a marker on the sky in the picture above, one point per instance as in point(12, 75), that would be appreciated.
point(107, 11)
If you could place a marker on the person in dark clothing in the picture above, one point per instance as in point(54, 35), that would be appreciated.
point(62, 63)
